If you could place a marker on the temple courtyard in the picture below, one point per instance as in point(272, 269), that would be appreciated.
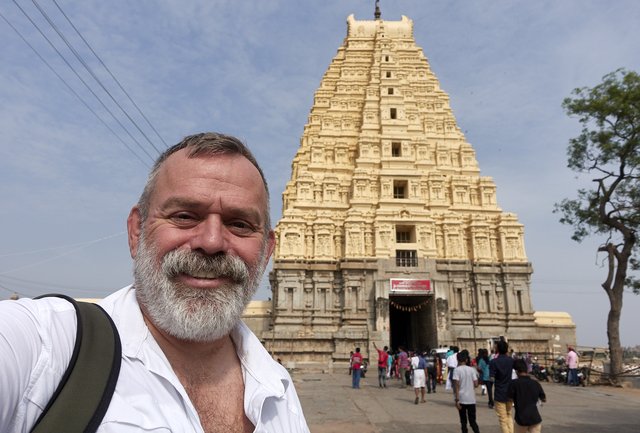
point(331, 405)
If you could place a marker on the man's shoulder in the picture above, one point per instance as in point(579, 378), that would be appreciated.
point(47, 315)
point(466, 369)
point(524, 383)
point(125, 294)
point(504, 360)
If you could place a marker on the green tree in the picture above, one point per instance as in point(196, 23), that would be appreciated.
point(608, 151)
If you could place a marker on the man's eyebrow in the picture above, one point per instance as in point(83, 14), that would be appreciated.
point(180, 202)
point(235, 212)
point(250, 214)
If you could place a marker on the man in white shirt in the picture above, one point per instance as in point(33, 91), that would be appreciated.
point(465, 380)
point(452, 363)
point(200, 237)
point(418, 366)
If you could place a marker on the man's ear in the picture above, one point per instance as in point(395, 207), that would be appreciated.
point(134, 228)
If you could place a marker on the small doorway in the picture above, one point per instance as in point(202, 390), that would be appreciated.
point(412, 321)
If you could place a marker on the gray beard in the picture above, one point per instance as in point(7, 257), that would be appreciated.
point(187, 313)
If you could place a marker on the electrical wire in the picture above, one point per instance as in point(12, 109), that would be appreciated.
point(110, 73)
point(37, 285)
point(42, 250)
point(13, 291)
point(81, 79)
point(92, 73)
point(48, 259)
point(68, 86)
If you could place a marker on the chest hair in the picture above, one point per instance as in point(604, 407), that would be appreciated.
point(219, 402)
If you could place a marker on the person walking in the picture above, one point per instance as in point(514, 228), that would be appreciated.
point(525, 393)
point(465, 380)
point(356, 368)
point(431, 370)
point(394, 366)
point(500, 369)
point(383, 357)
point(452, 363)
point(403, 366)
point(485, 378)
point(418, 365)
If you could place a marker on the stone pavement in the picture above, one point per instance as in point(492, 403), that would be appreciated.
point(331, 405)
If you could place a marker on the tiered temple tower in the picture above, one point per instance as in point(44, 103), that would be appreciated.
point(389, 234)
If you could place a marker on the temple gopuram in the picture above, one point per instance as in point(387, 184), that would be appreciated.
point(389, 234)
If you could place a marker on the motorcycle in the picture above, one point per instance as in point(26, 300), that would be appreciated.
point(582, 377)
point(540, 372)
point(559, 372)
point(560, 375)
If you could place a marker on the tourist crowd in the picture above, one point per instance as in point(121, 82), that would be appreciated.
point(503, 377)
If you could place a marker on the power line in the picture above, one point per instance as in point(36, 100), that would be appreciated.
point(110, 73)
point(47, 285)
point(12, 291)
point(48, 259)
point(41, 250)
point(88, 68)
point(145, 163)
point(81, 79)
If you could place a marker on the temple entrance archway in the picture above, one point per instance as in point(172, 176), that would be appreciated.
point(412, 321)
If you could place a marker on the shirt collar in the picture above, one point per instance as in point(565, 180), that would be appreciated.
point(125, 311)
point(256, 361)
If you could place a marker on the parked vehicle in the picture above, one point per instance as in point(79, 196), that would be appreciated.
point(540, 372)
point(582, 376)
point(560, 372)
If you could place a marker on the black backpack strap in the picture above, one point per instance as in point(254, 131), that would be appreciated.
point(85, 390)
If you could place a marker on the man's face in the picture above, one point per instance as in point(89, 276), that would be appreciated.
point(201, 252)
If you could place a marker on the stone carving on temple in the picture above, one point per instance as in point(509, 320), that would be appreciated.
point(384, 187)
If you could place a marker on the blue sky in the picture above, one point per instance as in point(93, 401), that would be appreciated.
point(250, 69)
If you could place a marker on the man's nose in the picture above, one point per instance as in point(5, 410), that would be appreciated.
point(209, 236)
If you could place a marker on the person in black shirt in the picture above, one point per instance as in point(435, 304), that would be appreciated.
point(525, 393)
point(500, 370)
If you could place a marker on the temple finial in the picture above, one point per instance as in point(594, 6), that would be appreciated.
point(377, 12)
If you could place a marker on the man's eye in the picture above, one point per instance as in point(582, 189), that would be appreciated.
point(241, 227)
point(183, 217)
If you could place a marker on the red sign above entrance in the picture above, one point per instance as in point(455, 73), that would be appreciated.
point(403, 285)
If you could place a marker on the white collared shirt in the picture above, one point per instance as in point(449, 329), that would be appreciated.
point(452, 360)
point(38, 338)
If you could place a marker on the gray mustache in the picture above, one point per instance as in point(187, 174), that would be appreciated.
point(189, 262)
